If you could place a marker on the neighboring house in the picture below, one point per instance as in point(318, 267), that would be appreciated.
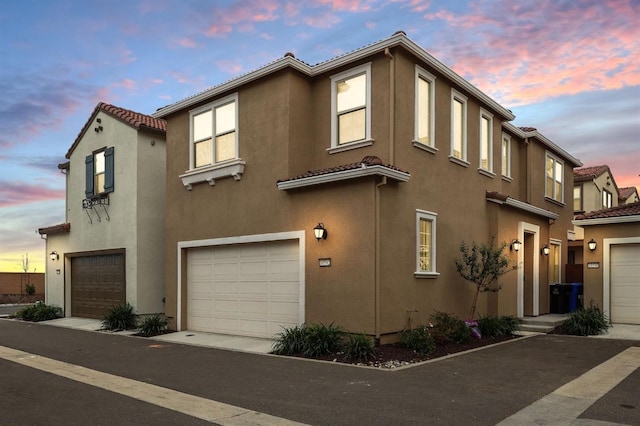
point(594, 188)
point(385, 154)
point(628, 195)
point(110, 249)
point(612, 261)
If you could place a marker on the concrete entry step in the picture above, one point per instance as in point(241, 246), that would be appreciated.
point(543, 323)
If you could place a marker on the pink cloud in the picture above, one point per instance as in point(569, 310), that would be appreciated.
point(18, 193)
point(322, 20)
point(347, 5)
point(230, 67)
point(242, 14)
point(187, 42)
point(549, 50)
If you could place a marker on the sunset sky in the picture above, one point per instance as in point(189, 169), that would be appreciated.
point(570, 68)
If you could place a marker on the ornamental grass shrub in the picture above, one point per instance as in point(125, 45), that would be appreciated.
point(120, 317)
point(586, 322)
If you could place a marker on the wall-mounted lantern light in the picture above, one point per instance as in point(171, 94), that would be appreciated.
point(545, 250)
point(54, 256)
point(515, 245)
point(320, 232)
point(592, 245)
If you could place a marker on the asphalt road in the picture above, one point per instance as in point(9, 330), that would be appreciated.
point(9, 309)
point(478, 388)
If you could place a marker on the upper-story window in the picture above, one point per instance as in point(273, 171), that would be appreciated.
point(506, 155)
point(554, 181)
point(607, 199)
point(486, 138)
point(425, 109)
point(214, 133)
point(351, 108)
point(99, 176)
point(577, 198)
point(458, 126)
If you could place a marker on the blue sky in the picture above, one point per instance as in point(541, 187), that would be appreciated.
point(570, 68)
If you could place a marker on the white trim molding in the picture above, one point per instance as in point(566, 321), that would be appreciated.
point(344, 175)
point(524, 227)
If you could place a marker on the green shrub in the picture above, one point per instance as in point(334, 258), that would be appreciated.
point(586, 322)
point(449, 329)
point(359, 346)
point(321, 339)
point(289, 341)
point(153, 325)
point(492, 326)
point(120, 317)
point(39, 312)
point(30, 289)
point(419, 340)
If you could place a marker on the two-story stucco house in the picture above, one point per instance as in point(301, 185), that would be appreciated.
point(110, 249)
point(340, 192)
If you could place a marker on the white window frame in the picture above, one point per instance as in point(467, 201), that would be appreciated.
point(210, 173)
point(335, 79)
point(554, 196)
point(431, 217)
point(556, 243)
point(488, 171)
point(506, 162)
point(607, 199)
point(422, 74)
point(459, 97)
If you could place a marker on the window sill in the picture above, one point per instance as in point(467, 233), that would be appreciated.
point(459, 161)
point(551, 200)
point(349, 146)
point(487, 173)
point(507, 178)
point(233, 168)
point(426, 275)
point(428, 148)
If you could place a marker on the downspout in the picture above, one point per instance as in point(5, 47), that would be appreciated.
point(528, 144)
point(392, 108)
point(378, 245)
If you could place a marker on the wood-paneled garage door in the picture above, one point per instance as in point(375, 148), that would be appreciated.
point(244, 289)
point(625, 283)
point(97, 284)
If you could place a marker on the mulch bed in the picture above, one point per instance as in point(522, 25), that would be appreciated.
point(395, 355)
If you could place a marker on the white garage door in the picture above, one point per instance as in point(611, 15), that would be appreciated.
point(244, 289)
point(625, 283)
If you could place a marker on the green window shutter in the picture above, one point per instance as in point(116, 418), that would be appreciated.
point(88, 161)
point(108, 170)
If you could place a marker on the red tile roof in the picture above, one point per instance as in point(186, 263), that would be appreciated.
point(366, 161)
point(589, 173)
point(134, 119)
point(622, 210)
point(55, 229)
point(528, 129)
point(625, 193)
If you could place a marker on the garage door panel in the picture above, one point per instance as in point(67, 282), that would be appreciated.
point(625, 283)
point(254, 288)
point(97, 284)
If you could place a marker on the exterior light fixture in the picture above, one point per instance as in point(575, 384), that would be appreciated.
point(545, 250)
point(592, 245)
point(515, 245)
point(54, 255)
point(320, 232)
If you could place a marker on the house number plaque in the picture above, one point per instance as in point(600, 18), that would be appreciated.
point(593, 265)
point(324, 262)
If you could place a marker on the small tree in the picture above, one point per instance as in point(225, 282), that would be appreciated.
point(25, 268)
point(483, 264)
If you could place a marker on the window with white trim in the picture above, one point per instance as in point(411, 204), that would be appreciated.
point(351, 107)
point(554, 178)
point(577, 198)
point(214, 133)
point(555, 251)
point(425, 244)
point(486, 138)
point(425, 108)
point(607, 199)
point(506, 155)
point(458, 126)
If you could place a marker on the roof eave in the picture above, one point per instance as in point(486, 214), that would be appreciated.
point(545, 141)
point(606, 220)
point(344, 175)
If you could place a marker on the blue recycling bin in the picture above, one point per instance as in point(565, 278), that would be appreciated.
point(575, 296)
